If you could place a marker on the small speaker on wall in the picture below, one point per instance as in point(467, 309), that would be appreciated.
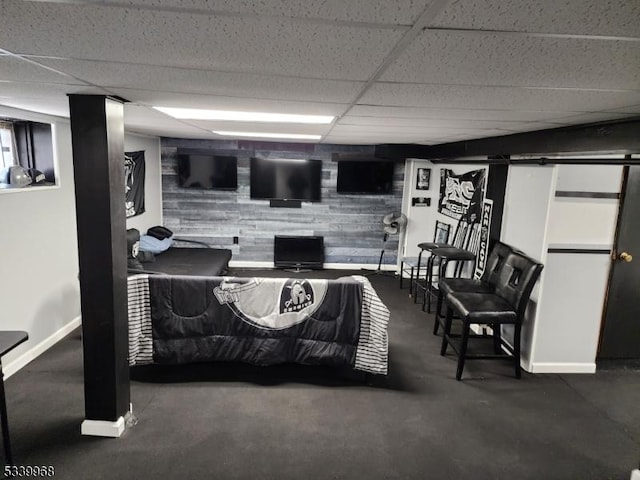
point(285, 203)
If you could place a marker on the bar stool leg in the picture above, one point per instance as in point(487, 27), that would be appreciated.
point(447, 332)
point(495, 327)
point(516, 349)
point(414, 284)
point(463, 350)
point(411, 283)
point(427, 280)
point(441, 268)
point(436, 322)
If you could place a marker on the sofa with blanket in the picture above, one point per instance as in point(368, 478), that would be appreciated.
point(175, 319)
point(159, 251)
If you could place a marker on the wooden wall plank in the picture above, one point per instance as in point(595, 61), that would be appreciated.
point(350, 224)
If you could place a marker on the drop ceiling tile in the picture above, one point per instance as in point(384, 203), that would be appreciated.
point(403, 132)
point(16, 69)
point(57, 106)
point(585, 17)
point(182, 80)
point(170, 99)
point(170, 38)
point(455, 114)
point(44, 98)
point(425, 122)
point(633, 109)
point(504, 98)
point(373, 139)
point(261, 127)
point(180, 131)
point(465, 58)
point(138, 116)
point(399, 12)
point(389, 128)
point(592, 117)
point(531, 127)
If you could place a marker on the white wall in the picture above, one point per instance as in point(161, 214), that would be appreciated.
point(569, 321)
point(39, 286)
point(562, 325)
point(524, 226)
point(422, 220)
point(152, 181)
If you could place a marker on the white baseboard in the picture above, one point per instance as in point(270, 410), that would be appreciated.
point(245, 264)
point(358, 266)
point(635, 475)
point(336, 266)
point(103, 428)
point(40, 348)
point(563, 368)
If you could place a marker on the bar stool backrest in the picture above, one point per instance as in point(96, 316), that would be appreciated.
point(462, 234)
point(516, 280)
point(495, 262)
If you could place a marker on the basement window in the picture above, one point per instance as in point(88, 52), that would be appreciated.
point(29, 145)
point(8, 155)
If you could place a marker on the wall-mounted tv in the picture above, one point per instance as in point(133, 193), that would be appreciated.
point(199, 170)
point(285, 179)
point(365, 176)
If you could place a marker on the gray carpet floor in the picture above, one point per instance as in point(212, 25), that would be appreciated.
point(228, 421)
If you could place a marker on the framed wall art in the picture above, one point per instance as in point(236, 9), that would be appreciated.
point(423, 179)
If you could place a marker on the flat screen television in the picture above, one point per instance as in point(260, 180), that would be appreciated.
point(196, 170)
point(285, 179)
point(298, 251)
point(365, 176)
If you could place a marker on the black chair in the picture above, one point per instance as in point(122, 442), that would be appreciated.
point(461, 250)
point(416, 282)
point(507, 305)
point(409, 265)
point(485, 284)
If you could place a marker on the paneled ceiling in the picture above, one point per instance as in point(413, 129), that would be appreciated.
point(401, 71)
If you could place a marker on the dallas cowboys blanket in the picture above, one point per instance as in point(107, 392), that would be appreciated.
point(264, 321)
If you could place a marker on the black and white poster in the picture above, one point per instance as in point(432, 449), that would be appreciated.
point(461, 195)
point(485, 230)
point(134, 183)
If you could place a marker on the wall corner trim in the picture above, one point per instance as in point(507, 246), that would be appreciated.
point(103, 428)
point(41, 347)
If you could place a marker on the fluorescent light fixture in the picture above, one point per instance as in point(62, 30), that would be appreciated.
point(293, 136)
point(199, 114)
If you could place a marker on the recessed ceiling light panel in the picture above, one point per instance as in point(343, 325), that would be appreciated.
point(199, 114)
point(292, 136)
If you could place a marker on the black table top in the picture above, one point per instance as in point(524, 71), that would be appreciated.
point(10, 339)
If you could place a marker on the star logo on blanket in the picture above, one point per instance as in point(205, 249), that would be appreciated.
point(272, 303)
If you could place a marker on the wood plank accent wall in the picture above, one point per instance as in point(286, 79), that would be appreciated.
point(350, 224)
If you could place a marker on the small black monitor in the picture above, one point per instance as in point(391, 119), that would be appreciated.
point(365, 176)
point(298, 251)
point(197, 170)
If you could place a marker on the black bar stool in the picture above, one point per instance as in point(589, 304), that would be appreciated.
point(416, 285)
point(443, 256)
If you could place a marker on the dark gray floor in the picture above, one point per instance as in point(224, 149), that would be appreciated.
point(292, 422)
